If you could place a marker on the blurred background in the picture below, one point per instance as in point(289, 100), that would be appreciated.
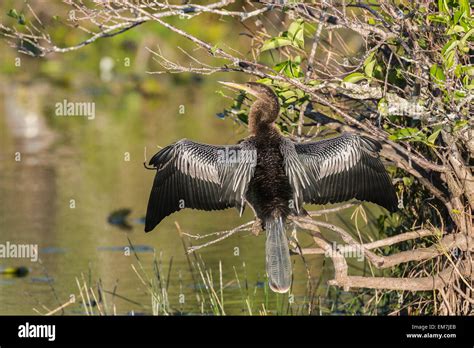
point(76, 173)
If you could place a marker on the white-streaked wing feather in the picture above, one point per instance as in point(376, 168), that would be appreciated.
point(299, 179)
point(343, 168)
point(199, 176)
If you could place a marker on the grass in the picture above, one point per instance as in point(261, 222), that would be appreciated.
point(212, 295)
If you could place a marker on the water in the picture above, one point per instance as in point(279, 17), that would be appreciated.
point(74, 172)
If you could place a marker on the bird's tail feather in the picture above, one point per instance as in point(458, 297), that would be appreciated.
point(277, 255)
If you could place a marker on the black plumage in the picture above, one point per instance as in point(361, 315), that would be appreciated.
point(269, 172)
point(346, 167)
point(190, 175)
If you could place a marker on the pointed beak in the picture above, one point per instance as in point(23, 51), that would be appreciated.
point(238, 86)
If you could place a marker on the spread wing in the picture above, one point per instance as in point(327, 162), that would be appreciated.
point(199, 176)
point(340, 169)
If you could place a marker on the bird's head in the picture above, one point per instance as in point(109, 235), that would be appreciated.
point(266, 107)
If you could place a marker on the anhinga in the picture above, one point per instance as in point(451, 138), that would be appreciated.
point(271, 173)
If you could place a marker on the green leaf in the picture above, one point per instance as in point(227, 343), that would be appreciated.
point(443, 6)
point(290, 68)
point(465, 7)
point(423, 43)
point(293, 37)
point(458, 71)
point(437, 73)
point(21, 19)
point(455, 29)
point(432, 138)
point(467, 82)
point(466, 23)
point(369, 65)
point(466, 37)
point(354, 77)
point(457, 16)
point(214, 49)
point(265, 81)
point(378, 72)
point(459, 95)
point(287, 94)
point(439, 18)
point(469, 70)
point(290, 96)
point(275, 42)
point(407, 181)
point(296, 33)
point(460, 124)
point(408, 134)
point(382, 107)
point(449, 60)
point(12, 13)
point(449, 46)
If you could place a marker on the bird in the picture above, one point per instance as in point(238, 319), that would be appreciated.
point(269, 172)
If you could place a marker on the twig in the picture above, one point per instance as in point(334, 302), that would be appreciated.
point(71, 301)
point(225, 235)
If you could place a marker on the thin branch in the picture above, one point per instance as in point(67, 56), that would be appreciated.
point(382, 242)
point(223, 235)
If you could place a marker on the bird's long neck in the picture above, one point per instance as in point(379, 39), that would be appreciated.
point(262, 115)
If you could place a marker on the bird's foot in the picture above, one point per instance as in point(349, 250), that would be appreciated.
point(257, 227)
